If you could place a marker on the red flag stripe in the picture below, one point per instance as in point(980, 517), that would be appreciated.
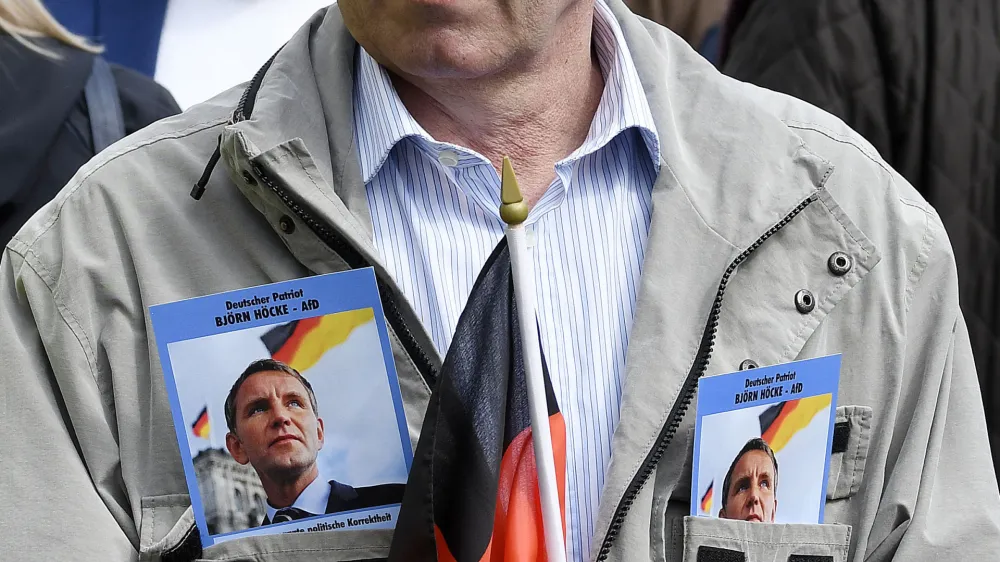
point(518, 530)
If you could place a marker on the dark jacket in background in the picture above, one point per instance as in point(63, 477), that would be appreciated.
point(696, 21)
point(920, 80)
point(44, 124)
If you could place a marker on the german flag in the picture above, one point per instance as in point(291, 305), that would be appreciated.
point(706, 500)
point(200, 426)
point(472, 493)
point(301, 343)
point(780, 422)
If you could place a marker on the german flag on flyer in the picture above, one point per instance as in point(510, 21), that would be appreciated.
point(763, 440)
point(200, 427)
point(472, 494)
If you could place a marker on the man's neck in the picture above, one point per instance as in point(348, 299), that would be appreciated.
point(282, 492)
point(537, 113)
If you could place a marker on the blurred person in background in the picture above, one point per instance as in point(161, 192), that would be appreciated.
point(167, 40)
point(60, 103)
point(699, 22)
point(919, 81)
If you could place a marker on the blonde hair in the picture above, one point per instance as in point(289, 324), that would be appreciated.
point(25, 20)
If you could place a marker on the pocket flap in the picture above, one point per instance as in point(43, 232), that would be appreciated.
point(721, 540)
point(334, 546)
point(849, 454)
point(167, 531)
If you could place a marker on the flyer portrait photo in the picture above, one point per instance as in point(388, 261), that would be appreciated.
point(286, 407)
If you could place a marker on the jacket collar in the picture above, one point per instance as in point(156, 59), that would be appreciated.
point(301, 128)
point(738, 184)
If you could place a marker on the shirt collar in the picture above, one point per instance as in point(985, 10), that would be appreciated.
point(313, 499)
point(381, 120)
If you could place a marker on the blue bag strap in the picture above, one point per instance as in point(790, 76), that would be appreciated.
point(105, 111)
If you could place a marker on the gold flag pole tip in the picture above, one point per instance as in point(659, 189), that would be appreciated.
point(513, 209)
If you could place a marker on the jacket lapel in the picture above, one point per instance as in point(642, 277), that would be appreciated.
point(340, 497)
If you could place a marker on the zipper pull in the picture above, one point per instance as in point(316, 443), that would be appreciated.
point(199, 186)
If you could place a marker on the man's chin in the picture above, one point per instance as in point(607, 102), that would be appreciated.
point(290, 467)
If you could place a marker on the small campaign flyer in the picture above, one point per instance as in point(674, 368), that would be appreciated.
point(286, 406)
point(762, 442)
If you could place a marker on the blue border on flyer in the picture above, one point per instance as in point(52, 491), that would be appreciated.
point(196, 318)
point(820, 375)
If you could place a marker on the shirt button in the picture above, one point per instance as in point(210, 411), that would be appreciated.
point(448, 158)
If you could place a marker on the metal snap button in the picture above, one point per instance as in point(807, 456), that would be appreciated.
point(248, 177)
point(805, 301)
point(286, 224)
point(748, 364)
point(839, 263)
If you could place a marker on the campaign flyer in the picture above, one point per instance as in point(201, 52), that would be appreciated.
point(762, 442)
point(286, 406)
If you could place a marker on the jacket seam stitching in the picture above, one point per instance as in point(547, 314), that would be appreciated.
point(837, 217)
point(843, 139)
point(34, 263)
point(764, 542)
point(297, 550)
point(75, 186)
point(920, 264)
point(701, 217)
point(859, 463)
point(911, 203)
point(836, 137)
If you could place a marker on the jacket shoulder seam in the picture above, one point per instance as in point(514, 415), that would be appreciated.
point(32, 261)
point(75, 185)
point(923, 258)
point(837, 137)
point(701, 217)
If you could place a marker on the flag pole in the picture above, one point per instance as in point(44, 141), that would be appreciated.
point(514, 211)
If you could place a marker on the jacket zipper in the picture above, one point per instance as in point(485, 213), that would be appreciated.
point(355, 260)
point(333, 241)
point(690, 385)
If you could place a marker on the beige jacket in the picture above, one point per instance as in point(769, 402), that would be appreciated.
point(756, 192)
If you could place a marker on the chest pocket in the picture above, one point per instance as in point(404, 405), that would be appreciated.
point(701, 539)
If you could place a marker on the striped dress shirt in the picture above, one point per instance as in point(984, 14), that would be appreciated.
point(435, 214)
